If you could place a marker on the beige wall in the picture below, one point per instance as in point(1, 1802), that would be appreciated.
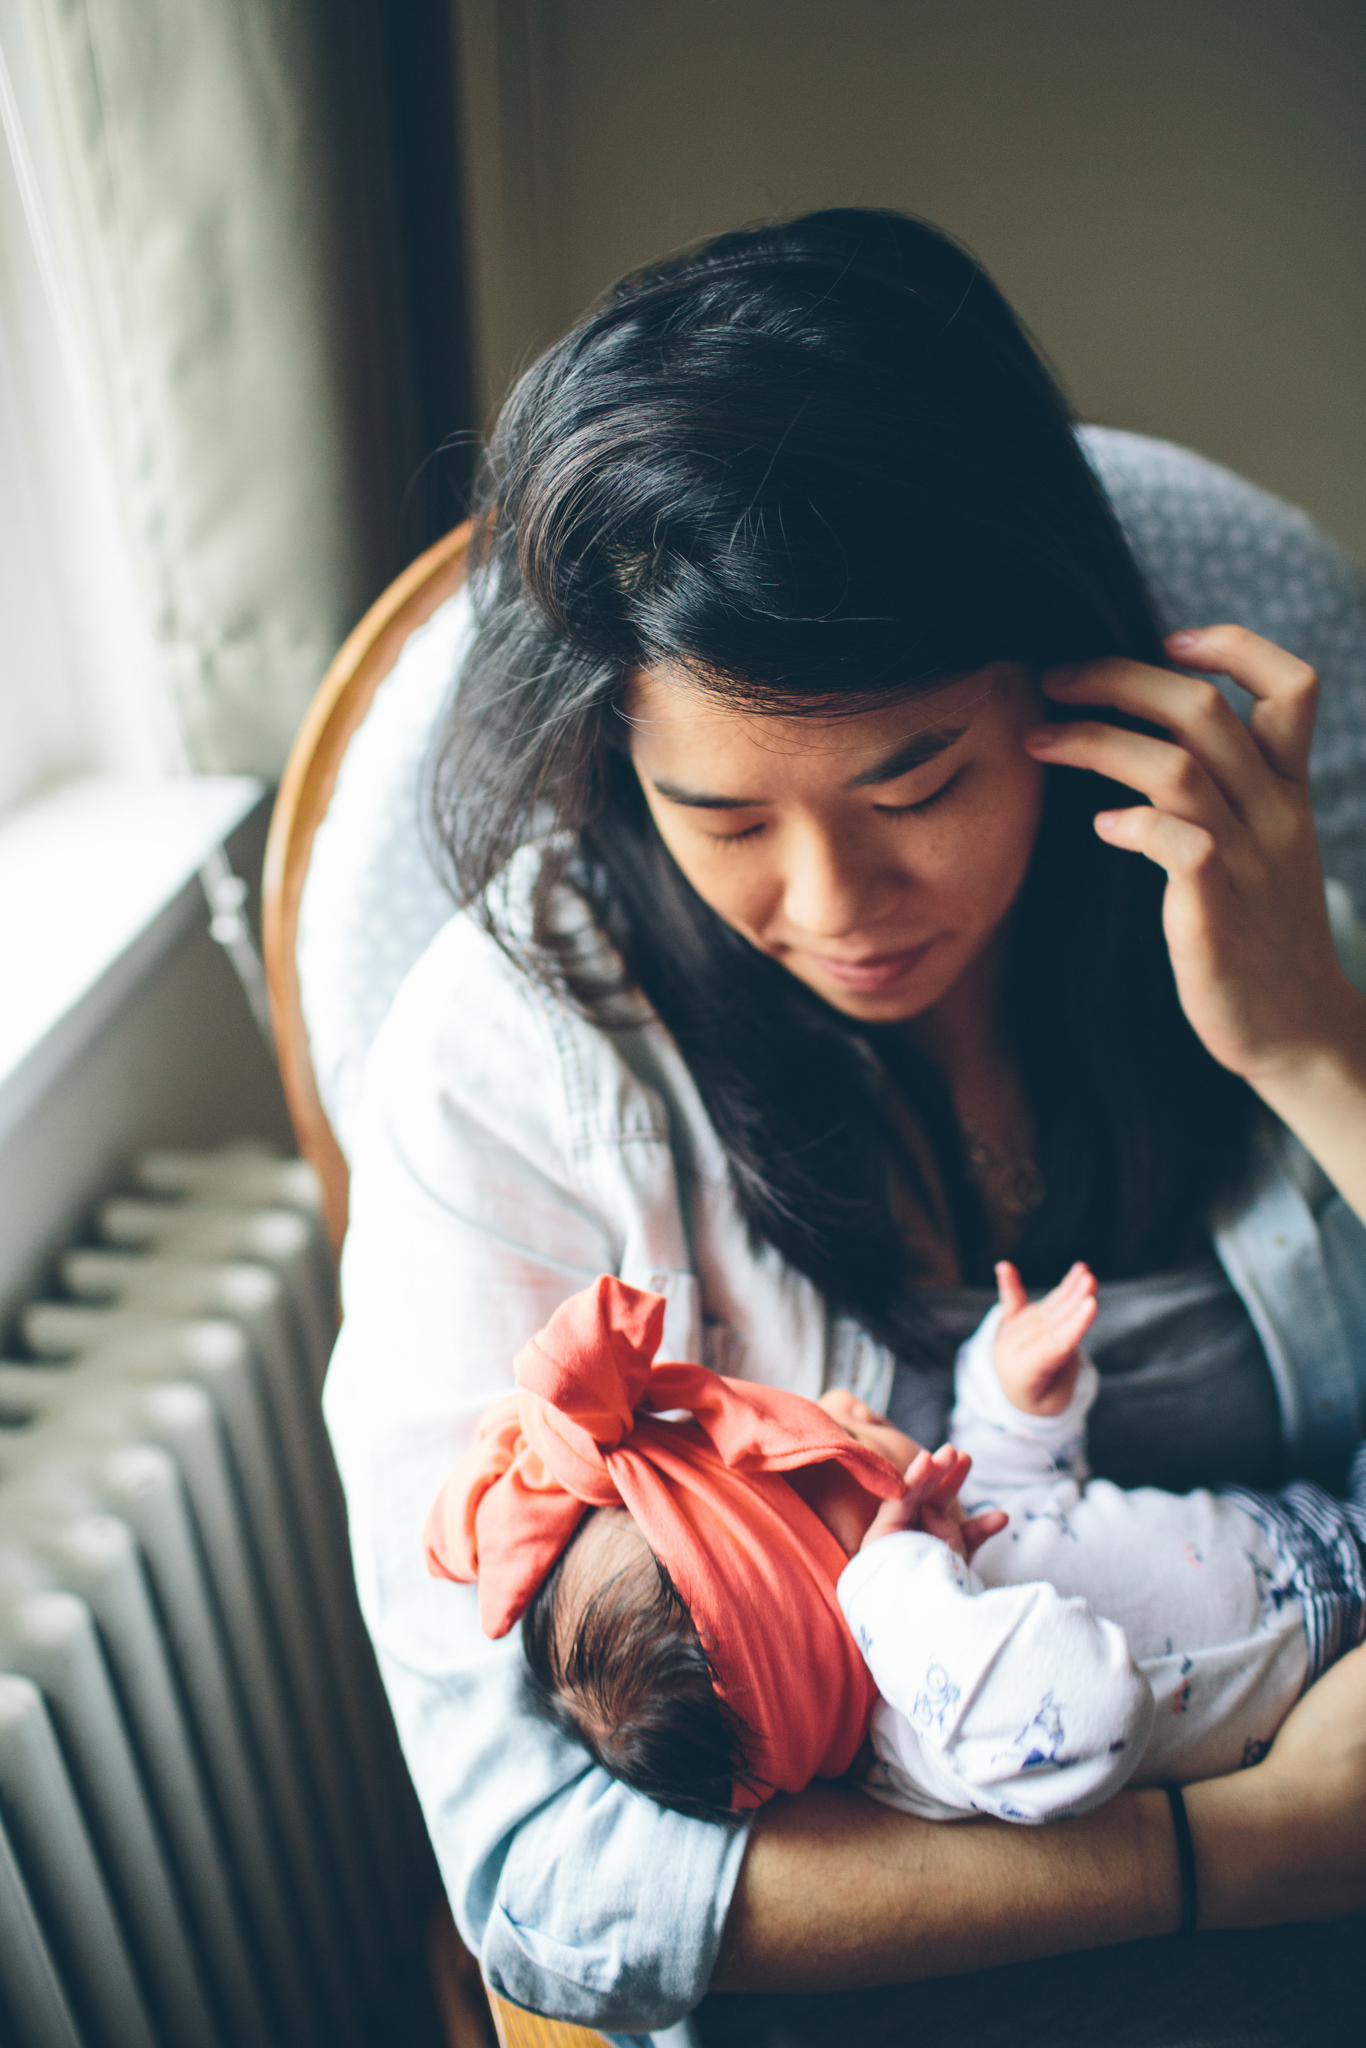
point(1173, 192)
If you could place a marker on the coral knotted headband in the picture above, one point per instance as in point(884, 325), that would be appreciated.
point(755, 1566)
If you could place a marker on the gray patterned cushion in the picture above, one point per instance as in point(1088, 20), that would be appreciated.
point(1213, 547)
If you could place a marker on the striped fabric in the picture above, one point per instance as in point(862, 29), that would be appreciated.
point(1324, 1542)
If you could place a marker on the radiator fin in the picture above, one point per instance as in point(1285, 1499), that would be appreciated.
point(207, 1837)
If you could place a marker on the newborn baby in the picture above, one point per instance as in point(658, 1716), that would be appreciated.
point(1097, 1636)
point(1106, 1634)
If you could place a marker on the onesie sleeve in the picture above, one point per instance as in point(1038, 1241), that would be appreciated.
point(1012, 1700)
point(476, 1208)
point(1011, 1450)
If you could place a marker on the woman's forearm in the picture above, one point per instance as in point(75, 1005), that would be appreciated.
point(1321, 1096)
point(837, 1892)
point(1287, 1841)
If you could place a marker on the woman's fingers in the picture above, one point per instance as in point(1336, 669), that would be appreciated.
point(1229, 821)
point(1200, 724)
point(1249, 764)
point(1170, 775)
point(1285, 689)
point(1188, 853)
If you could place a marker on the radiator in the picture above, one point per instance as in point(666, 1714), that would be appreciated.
point(207, 1838)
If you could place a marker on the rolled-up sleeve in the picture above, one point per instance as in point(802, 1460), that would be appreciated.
point(610, 1910)
point(583, 1900)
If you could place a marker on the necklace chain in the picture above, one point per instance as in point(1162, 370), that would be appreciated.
point(1012, 1184)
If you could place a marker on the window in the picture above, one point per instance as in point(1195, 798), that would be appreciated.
point(101, 825)
point(78, 677)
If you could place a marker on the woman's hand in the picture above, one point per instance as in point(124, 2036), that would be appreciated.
point(1229, 821)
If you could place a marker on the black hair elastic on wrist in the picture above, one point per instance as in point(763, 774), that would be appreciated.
point(1185, 1857)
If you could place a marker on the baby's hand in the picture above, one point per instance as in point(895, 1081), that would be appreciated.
point(930, 1503)
point(1037, 1348)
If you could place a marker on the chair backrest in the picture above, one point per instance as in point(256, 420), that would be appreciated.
point(306, 789)
point(352, 898)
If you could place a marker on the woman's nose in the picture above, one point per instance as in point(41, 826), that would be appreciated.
point(829, 890)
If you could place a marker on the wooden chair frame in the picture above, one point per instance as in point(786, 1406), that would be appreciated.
point(331, 722)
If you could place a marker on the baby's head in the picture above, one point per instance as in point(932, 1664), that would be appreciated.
point(614, 1659)
point(742, 1493)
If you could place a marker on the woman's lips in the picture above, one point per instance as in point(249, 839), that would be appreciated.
point(876, 972)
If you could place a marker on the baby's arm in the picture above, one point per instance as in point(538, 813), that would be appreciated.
point(1037, 1347)
point(1023, 1389)
point(1013, 1700)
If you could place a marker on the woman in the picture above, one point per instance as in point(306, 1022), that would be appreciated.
point(817, 953)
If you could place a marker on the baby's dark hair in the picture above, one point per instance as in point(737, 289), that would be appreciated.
point(631, 1679)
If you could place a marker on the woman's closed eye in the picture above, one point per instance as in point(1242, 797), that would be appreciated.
point(734, 838)
point(923, 803)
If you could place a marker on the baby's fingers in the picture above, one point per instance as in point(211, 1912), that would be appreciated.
point(935, 1479)
point(899, 1514)
point(1011, 1288)
point(891, 1518)
point(977, 1528)
point(1070, 1328)
point(935, 1523)
point(921, 1478)
point(950, 1467)
point(1078, 1284)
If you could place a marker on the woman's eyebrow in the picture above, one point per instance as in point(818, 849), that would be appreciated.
point(702, 800)
point(912, 753)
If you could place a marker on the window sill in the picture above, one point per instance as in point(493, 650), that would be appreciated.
point(97, 881)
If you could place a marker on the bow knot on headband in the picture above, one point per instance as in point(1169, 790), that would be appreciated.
point(754, 1565)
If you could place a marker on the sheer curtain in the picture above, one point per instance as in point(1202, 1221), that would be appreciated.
point(202, 376)
point(78, 677)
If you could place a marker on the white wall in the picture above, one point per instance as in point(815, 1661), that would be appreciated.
point(1173, 192)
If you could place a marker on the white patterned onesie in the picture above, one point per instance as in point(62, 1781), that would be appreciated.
point(1105, 1636)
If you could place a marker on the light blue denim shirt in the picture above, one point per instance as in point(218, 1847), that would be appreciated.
point(505, 1153)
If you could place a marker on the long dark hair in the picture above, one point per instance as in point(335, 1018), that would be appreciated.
point(818, 464)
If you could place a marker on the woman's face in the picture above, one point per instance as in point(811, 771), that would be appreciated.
point(874, 855)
